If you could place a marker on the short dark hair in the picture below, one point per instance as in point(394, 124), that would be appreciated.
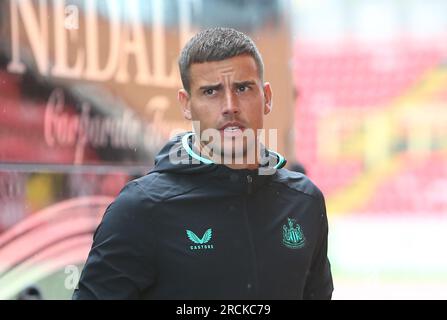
point(216, 44)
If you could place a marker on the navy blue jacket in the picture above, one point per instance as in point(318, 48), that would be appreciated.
point(196, 230)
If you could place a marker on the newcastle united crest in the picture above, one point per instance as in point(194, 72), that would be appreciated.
point(293, 237)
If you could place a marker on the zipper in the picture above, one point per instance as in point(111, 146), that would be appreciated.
point(254, 280)
point(249, 184)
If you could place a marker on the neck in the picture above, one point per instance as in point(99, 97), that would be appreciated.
point(236, 163)
point(242, 166)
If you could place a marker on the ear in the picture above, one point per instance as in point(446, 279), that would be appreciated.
point(268, 106)
point(185, 103)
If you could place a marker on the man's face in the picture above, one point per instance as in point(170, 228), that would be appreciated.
point(230, 97)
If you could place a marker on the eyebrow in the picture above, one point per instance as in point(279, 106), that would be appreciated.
point(219, 85)
point(245, 83)
point(211, 87)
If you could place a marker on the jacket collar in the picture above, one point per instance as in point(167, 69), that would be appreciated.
point(187, 145)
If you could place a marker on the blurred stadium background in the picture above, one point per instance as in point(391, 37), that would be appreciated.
point(87, 97)
point(371, 127)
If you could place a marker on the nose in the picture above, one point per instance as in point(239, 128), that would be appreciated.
point(230, 104)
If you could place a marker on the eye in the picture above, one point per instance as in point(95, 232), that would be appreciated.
point(242, 88)
point(209, 92)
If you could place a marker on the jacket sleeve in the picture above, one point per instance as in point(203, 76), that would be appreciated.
point(121, 263)
point(319, 285)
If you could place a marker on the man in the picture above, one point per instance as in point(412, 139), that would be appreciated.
point(204, 223)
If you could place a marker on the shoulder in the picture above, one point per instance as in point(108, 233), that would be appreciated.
point(158, 187)
point(298, 182)
point(140, 197)
point(136, 192)
point(301, 187)
point(129, 203)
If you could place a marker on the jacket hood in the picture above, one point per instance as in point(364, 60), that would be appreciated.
point(180, 156)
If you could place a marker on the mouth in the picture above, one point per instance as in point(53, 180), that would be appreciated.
point(232, 129)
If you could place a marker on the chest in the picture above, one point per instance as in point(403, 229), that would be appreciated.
point(249, 245)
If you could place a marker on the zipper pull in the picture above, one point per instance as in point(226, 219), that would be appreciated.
point(250, 184)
